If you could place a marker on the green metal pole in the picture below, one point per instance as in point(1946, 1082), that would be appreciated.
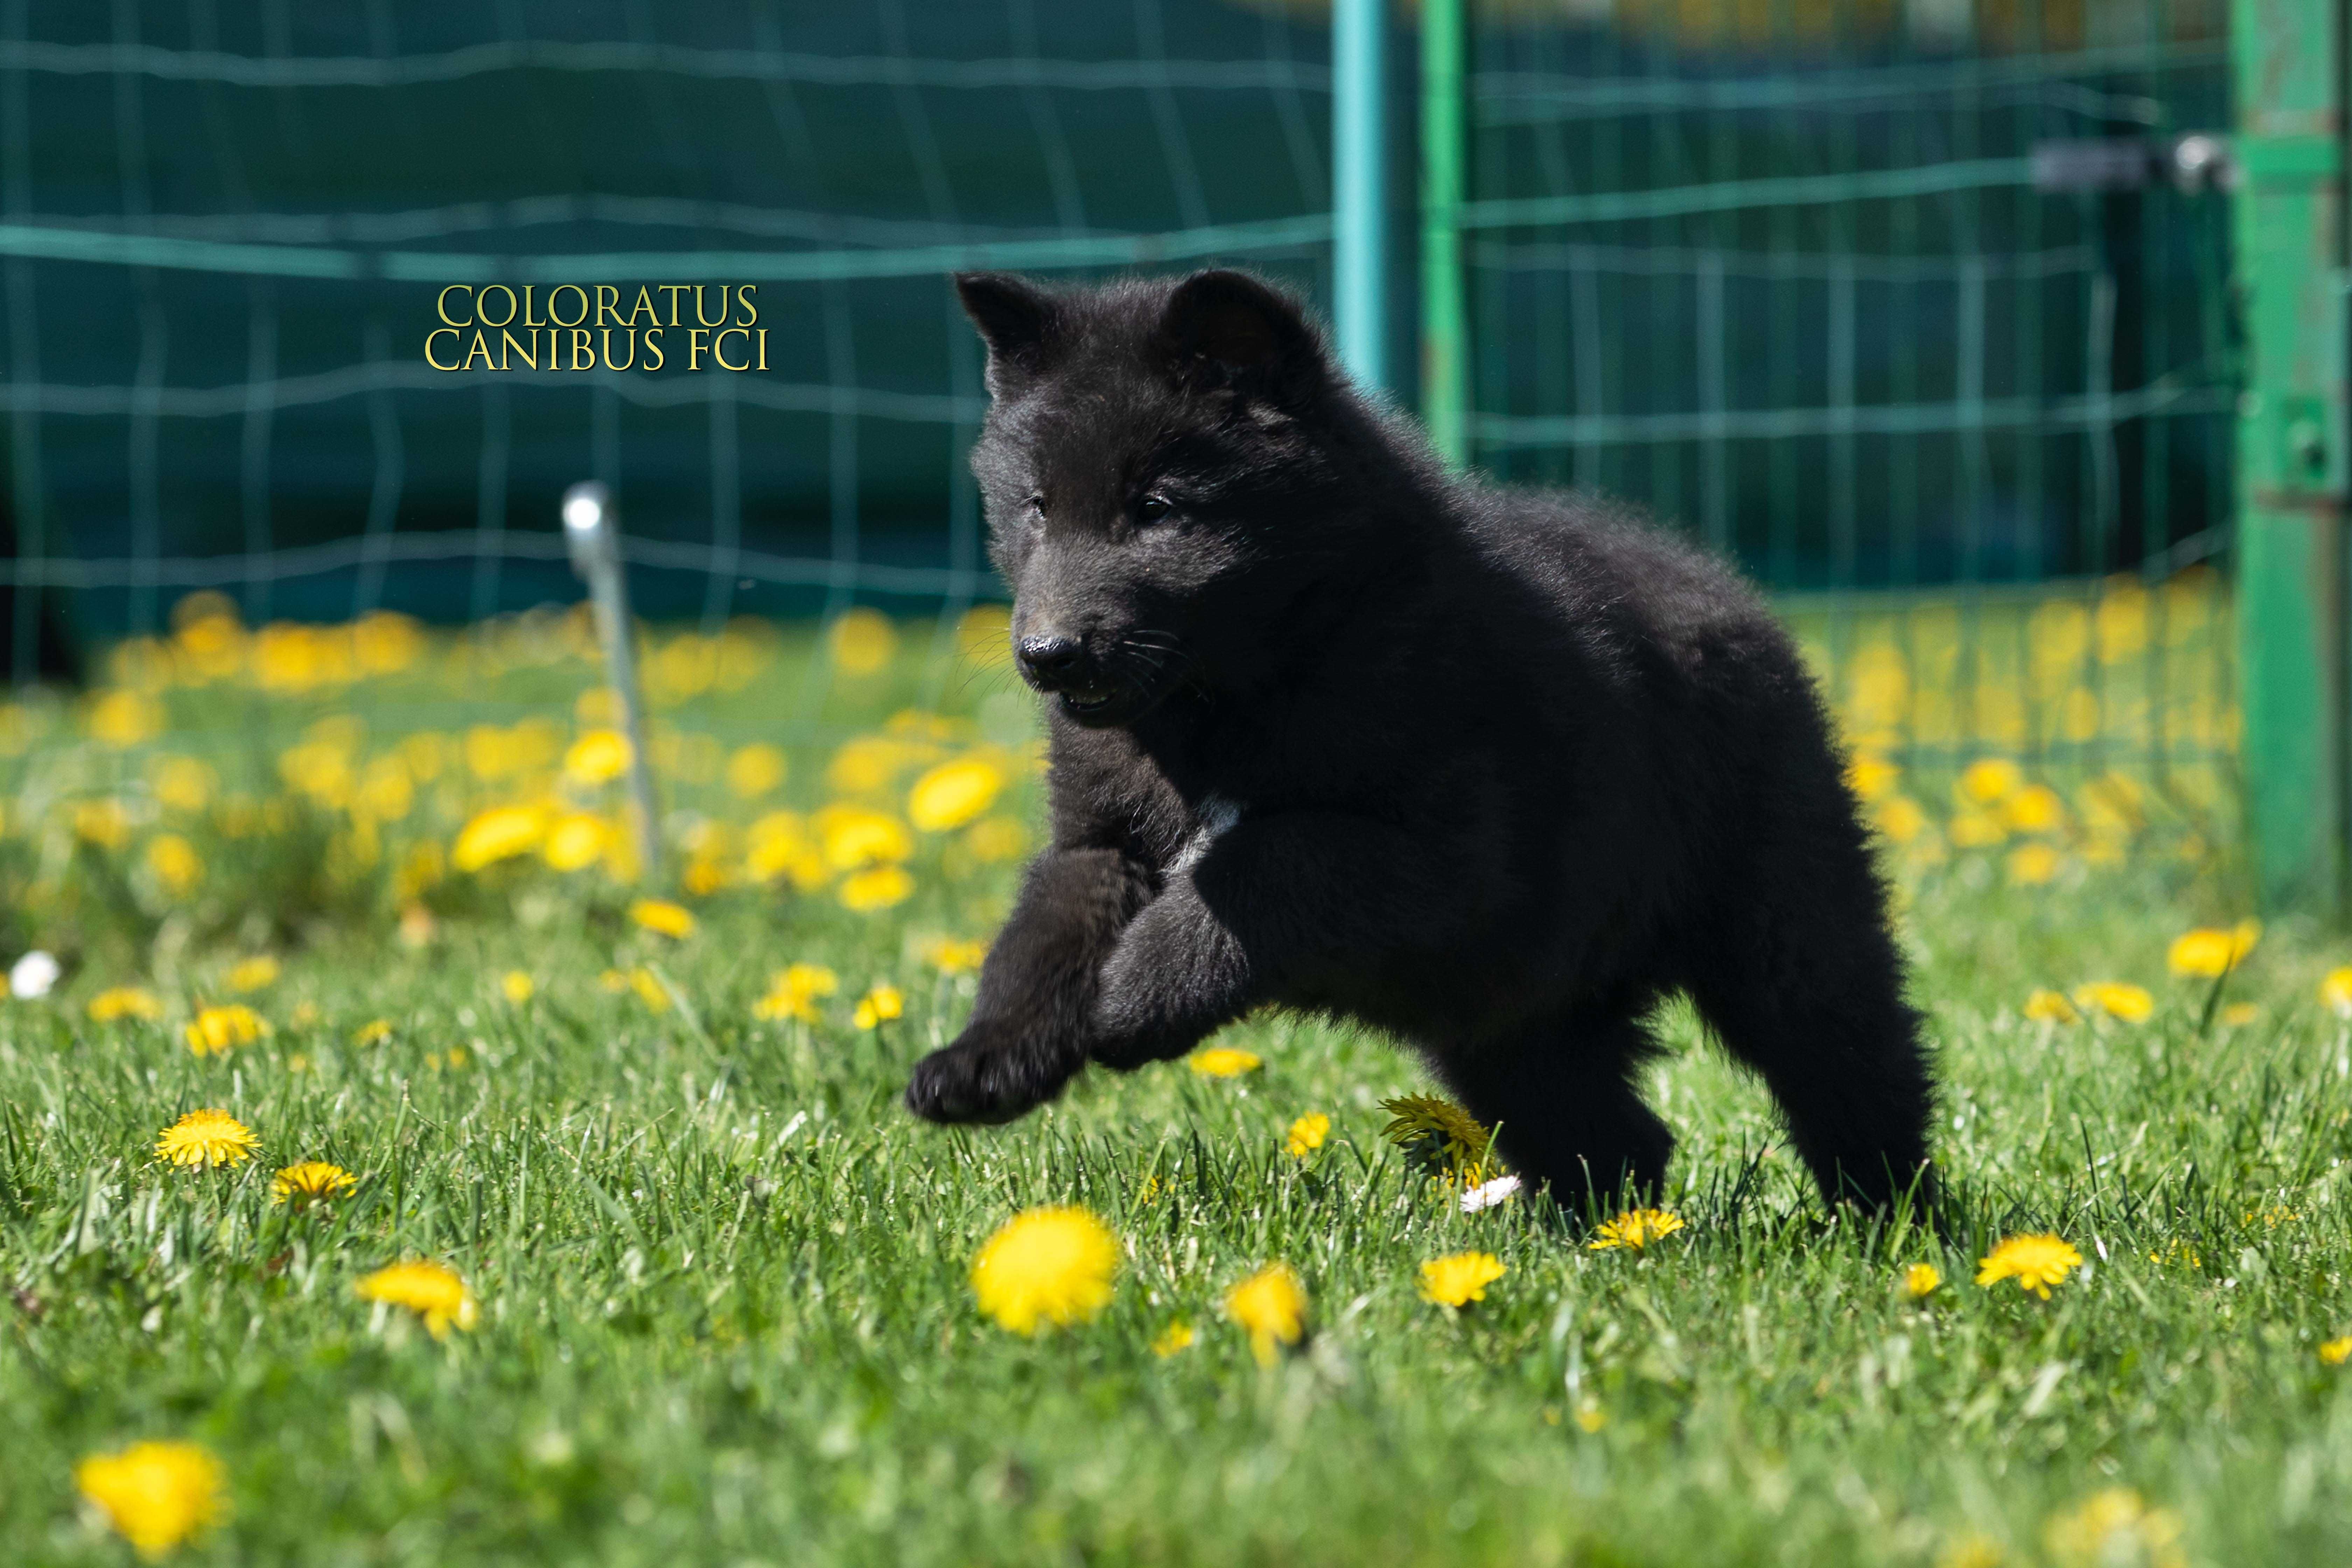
point(1360, 234)
point(2289, 246)
point(1444, 161)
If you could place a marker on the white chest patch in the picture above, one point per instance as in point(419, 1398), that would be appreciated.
point(1218, 816)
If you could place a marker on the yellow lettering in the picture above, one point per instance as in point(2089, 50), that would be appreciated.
point(583, 341)
point(645, 303)
point(554, 317)
point(612, 363)
point(608, 304)
point(482, 316)
point(435, 332)
point(653, 347)
point(695, 347)
point(526, 351)
point(743, 292)
point(480, 349)
point(672, 290)
point(719, 351)
point(527, 319)
point(441, 305)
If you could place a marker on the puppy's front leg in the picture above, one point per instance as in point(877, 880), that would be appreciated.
point(1272, 901)
point(1030, 1026)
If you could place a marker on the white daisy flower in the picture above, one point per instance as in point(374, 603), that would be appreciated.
point(33, 975)
point(1488, 1194)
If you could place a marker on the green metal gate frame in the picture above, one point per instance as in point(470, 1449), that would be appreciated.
point(2295, 445)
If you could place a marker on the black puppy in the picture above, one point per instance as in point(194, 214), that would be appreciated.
point(1491, 770)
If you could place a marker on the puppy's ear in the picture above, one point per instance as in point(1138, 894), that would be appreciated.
point(1015, 320)
point(1228, 329)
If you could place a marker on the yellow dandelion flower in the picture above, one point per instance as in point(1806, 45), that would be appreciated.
point(878, 889)
point(1899, 817)
point(310, 1181)
point(1921, 1281)
point(156, 1495)
point(207, 1139)
point(598, 757)
point(756, 770)
point(576, 841)
point(2051, 1008)
point(879, 1005)
point(1439, 1136)
point(217, 1030)
point(950, 956)
point(1046, 1266)
point(499, 834)
point(650, 989)
point(1459, 1278)
point(1307, 1134)
point(1222, 1061)
point(2130, 1004)
point(176, 863)
point(660, 915)
point(374, 1032)
point(995, 840)
point(2035, 1262)
point(2032, 865)
point(2037, 808)
point(793, 992)
point(1177, 1336)
point(2208, 953)
point(1270, 1306)
point(2115, 1526)
point(1635, 1228)
point(2238, 1014)
point(119, 1002)
point(1871, 778)
point(855, 839)
point(517, 986)
point(103, 823)
point(2335, 992)
point(2335, 1352)
point(253, 973)
point(863, 641)
point(432, 1290)
point(1989, 780)
point(953, 794)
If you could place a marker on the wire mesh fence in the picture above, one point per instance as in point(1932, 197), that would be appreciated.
point(1776, 269)
point(1790, 273)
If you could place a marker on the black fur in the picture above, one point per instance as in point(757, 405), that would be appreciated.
point(1492, 771)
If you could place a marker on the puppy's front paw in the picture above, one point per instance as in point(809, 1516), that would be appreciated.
point(985, 1078)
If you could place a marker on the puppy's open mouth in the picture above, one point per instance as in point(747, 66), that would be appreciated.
point(1100, 708)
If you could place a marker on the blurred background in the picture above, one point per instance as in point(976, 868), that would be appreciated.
point(1923, 310)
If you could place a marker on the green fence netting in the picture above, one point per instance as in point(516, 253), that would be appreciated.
point(1782, 270)
point(1777, 269)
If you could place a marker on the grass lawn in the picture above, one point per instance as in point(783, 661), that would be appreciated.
point(725, 1313)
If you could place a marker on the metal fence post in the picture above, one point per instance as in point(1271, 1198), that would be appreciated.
point(1360, 228)
point(1444, 164)
point(2288, 235)
point(592, 536)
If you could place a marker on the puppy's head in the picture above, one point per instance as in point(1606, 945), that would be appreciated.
point(1157, 474)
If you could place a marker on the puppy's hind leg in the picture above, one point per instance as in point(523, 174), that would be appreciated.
point(1562, 1096)
point(1807, 992)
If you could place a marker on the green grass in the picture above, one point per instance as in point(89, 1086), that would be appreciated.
point(726, 1316)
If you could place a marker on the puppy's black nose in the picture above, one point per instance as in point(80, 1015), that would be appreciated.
point(1052, 662)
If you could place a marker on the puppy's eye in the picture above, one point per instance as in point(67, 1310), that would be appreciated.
point(1036, 506)
point(1153, 508)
